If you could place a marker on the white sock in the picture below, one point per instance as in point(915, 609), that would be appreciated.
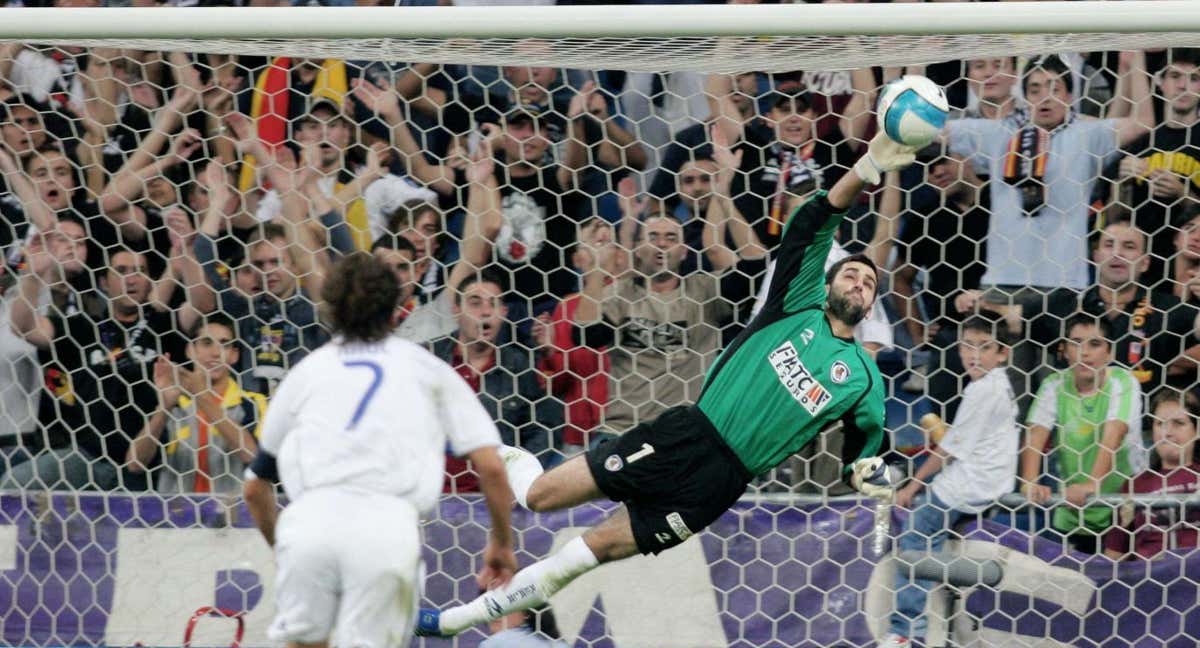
point(523, 469)
point(529, 588)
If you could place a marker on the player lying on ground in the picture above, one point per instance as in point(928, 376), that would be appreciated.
point(795, 370)
point(360, 428)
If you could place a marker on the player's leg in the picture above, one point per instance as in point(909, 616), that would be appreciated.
point(381, 578)
point(566, 485)
point(306, 578)
point(608, 541)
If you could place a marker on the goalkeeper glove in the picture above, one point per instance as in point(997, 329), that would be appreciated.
point(873, 478)
point(883, 155)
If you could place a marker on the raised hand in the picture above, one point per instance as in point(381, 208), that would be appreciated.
point(542, 331)
point(588, 99)
point(728, 161)
point(379, 99)
point(633, 205)
point(483, 165)
point(217, 98)
point(167, 381)
point(180, 230)
point(184, 145)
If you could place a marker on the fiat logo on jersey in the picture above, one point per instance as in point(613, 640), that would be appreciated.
point(839, 372)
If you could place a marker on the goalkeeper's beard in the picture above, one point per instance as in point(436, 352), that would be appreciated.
point(843, 310)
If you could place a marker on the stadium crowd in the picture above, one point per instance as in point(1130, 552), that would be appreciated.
point(581, 245)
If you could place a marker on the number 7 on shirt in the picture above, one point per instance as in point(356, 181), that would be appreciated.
point(376, 378)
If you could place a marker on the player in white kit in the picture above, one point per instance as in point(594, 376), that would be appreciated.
point(357, 435)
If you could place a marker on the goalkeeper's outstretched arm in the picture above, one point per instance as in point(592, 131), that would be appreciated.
point(882, 155)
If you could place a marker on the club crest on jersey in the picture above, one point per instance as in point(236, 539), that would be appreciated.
point(798, 380)
point(839, 372)
point(613, 463)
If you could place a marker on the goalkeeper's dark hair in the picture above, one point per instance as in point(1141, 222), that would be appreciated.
point(360, 298)
point(1190, 403)
point(1053, 64)
point(831, 274)
point(991, 324)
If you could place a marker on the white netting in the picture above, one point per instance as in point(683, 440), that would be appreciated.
point(121, 517)
point(677, 54)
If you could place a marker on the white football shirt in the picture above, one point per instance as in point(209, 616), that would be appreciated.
point(985, 442)
point(374, 418)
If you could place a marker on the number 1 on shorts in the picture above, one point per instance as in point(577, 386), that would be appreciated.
point(646, 451)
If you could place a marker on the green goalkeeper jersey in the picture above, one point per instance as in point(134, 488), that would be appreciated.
point(787, 376)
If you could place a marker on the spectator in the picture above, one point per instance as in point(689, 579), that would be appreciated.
point(732, 99)
point(1158, 175)
point(435, 318)
point(537, 216)
point(23, 200)
point(48, 74)
point(972, 466)
point(58, 193)
point(58, 253)
point(1145, 532)
point(1151, 327)
point(990, 85)
point(1186, 257)
point(545, 87)
point(947, 242)
point(399, 254)
point(578, 376)
point(1095, 409)
point(422, 224)
point(211, 423)
point(147, 186)
point(106, 361)
point(694, 191)
point(285, 90)
point(1040, 213)
point(278, 325)
point(781, 156)
point(1037, 233)
point(1186, 278)
point(504, 376)
point(323, 136)
point(21, 129)
point(663, 328)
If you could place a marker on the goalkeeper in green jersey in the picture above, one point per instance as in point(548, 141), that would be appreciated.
point(795, 370)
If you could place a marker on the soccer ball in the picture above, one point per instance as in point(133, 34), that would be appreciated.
point(912, 110)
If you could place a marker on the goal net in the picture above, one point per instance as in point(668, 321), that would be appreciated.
point(176, 182)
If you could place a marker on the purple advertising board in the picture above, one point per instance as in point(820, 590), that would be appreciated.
point(96, 570)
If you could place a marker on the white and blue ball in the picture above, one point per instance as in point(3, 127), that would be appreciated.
point(912, 110)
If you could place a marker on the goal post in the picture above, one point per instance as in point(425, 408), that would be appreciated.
point(710, 38)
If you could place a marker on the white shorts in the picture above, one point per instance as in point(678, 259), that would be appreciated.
point(349, 561)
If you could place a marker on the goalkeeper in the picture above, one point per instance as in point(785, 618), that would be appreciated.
point(795, 370)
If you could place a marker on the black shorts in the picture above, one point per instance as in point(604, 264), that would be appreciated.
point(675, 475)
